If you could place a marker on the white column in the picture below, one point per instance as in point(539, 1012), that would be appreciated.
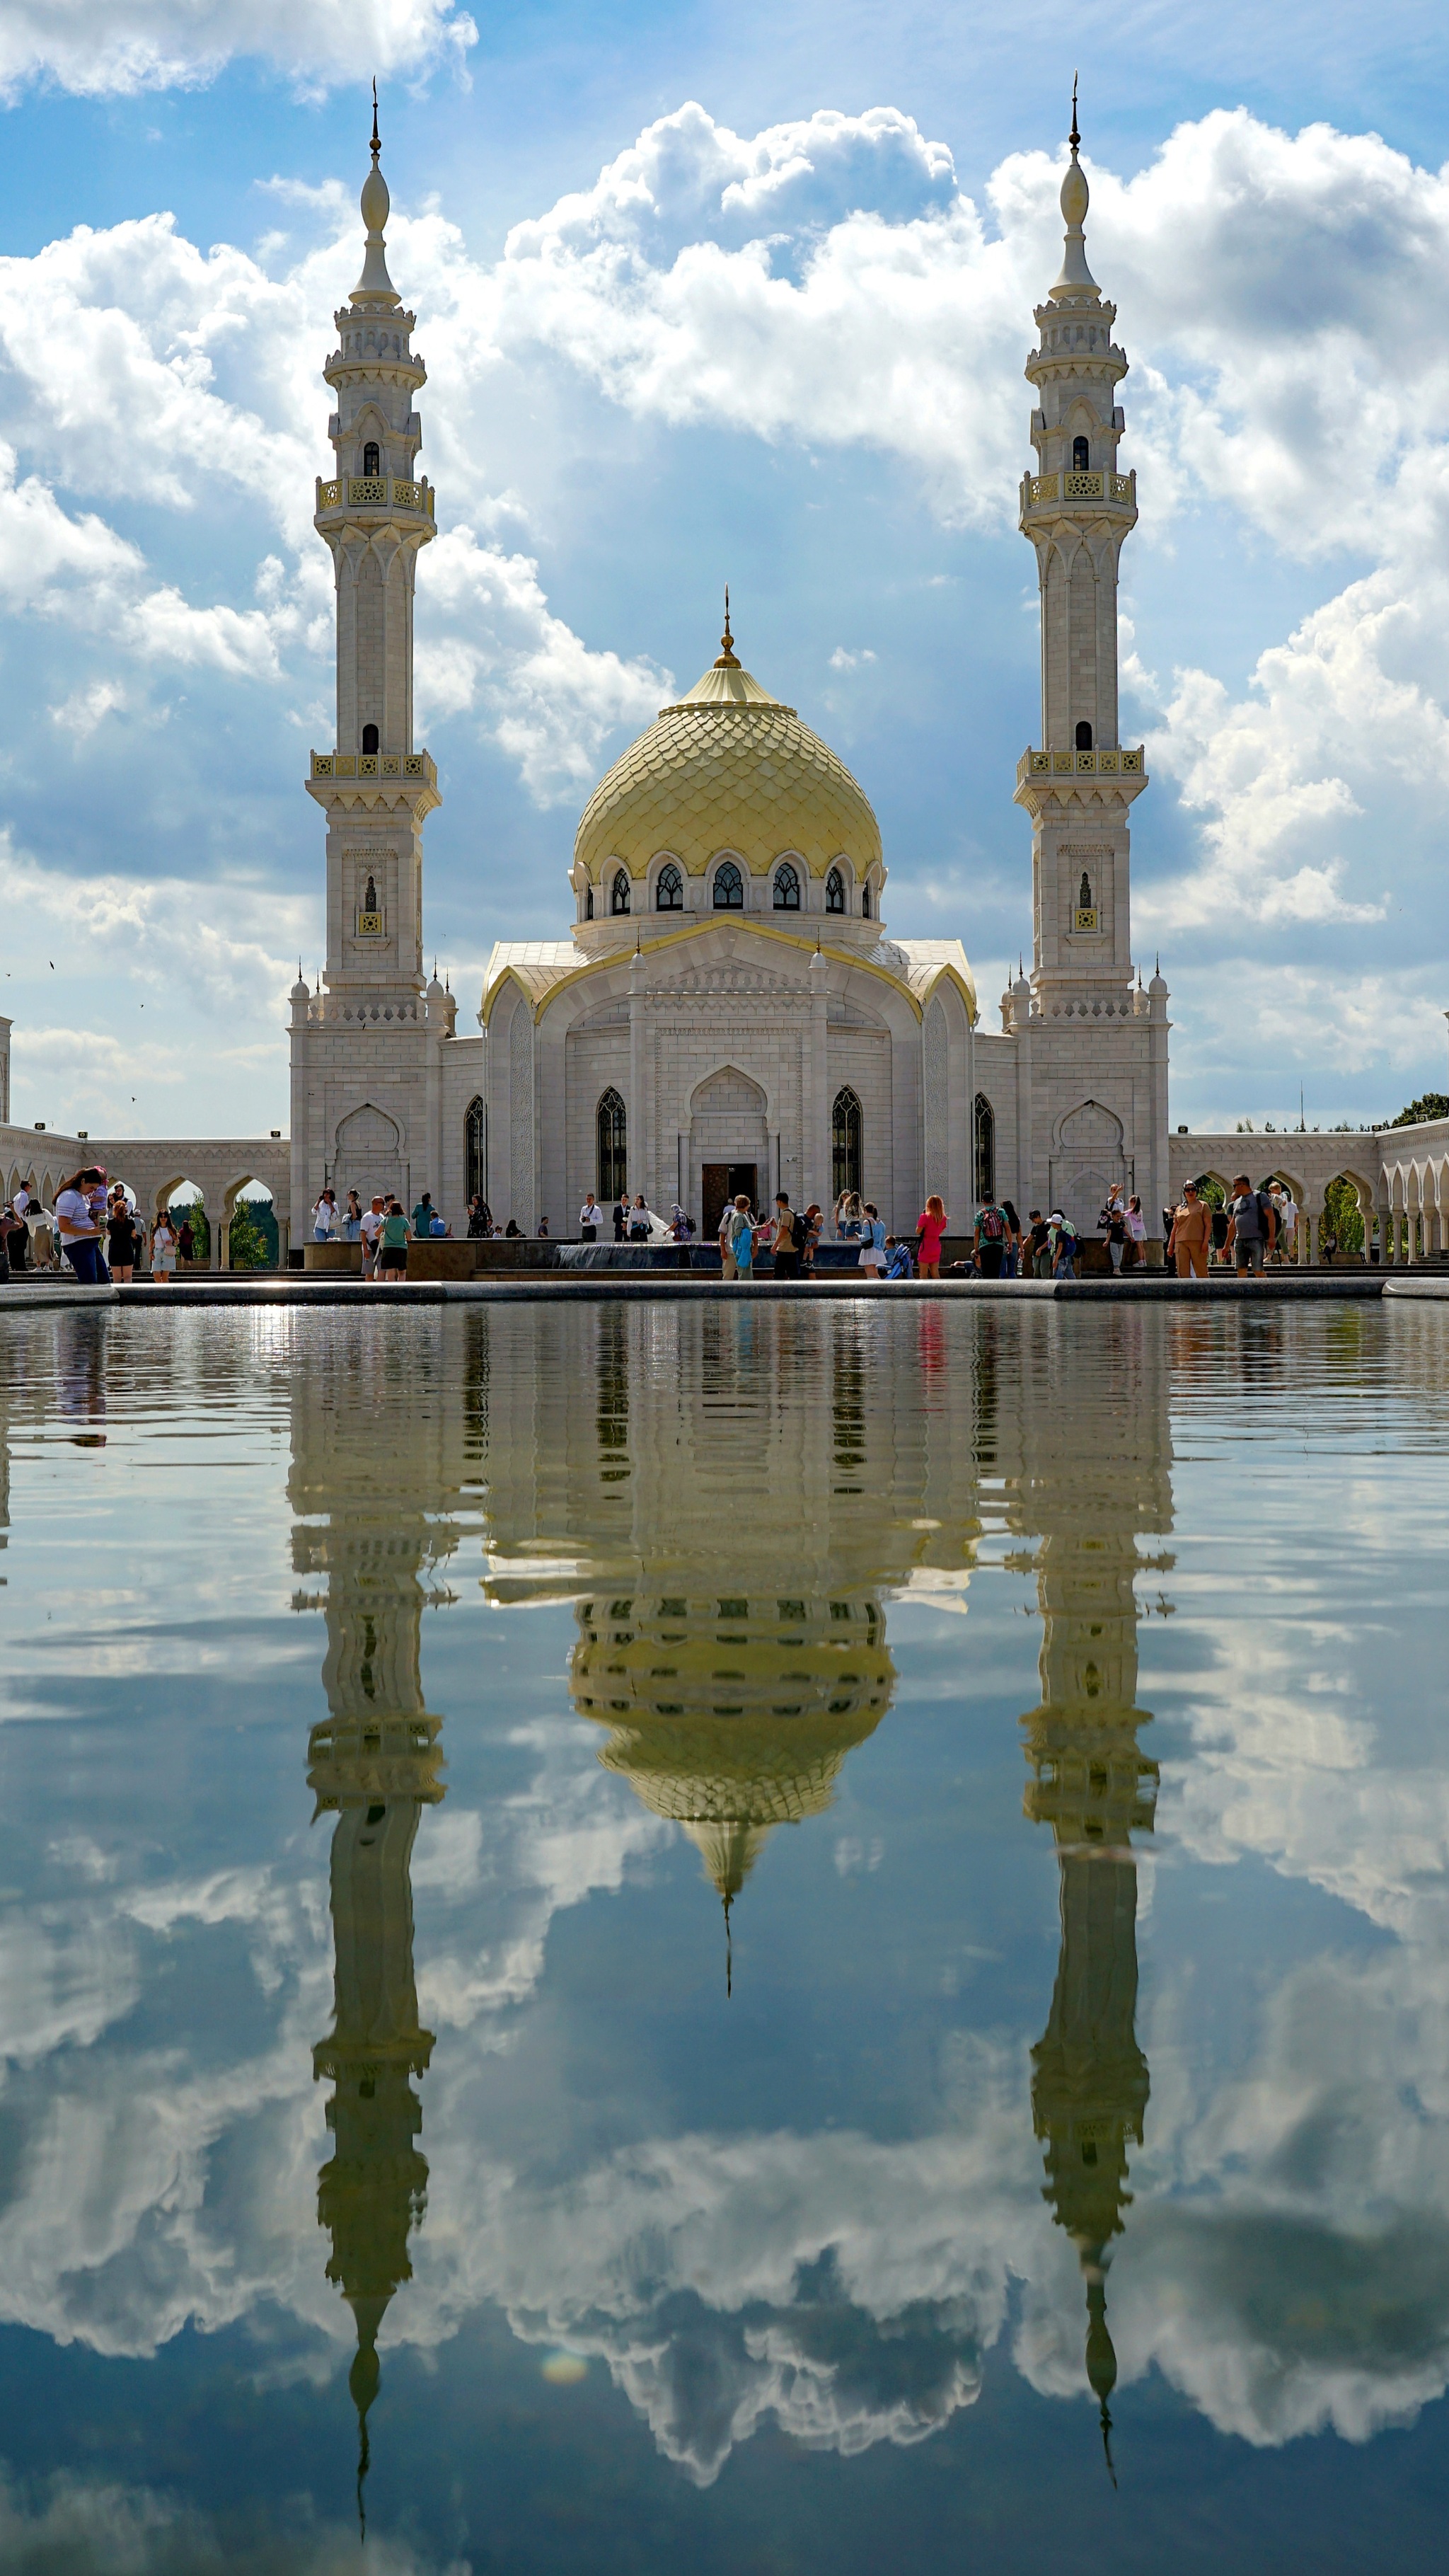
point(816, 1121)
point(638, 1037)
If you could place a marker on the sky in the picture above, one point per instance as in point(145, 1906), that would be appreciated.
point(710, 296)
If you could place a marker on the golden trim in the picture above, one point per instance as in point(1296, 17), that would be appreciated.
point(731, 921)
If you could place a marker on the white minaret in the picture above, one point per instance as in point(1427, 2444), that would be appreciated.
point(364, 1087)
point(1076, 509)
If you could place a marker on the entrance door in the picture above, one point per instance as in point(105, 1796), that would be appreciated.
point(718, 1182)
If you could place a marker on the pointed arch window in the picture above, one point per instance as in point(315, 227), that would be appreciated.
point(619, 893)
point(475, 1154)
point(845, 1144)
point(371, 459)
point(669, 890)
point(611, 1129)
point(983, 1149)
point(588, 903)
point(369, 737)
point(1081, 457)
point(729, 888)
point(1084, 736)
point(865, 903)
point(835, 891)
point(787, 888)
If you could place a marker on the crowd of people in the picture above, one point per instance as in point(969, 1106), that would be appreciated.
point(1252, 1229)
point(95, 1230)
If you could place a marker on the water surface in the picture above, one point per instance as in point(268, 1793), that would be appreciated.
point(751, 1937)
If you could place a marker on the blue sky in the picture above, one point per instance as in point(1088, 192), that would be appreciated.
point(710, 296)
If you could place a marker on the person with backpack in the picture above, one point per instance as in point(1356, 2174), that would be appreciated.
point(1063, 1246)
point(1252, 1227)
point(1113, 1224)
point(898, 1258)
point(991, 1232)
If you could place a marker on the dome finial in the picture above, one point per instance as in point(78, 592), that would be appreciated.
point(377, 138)
point(727, 660)
point(1073, 138)
point(374, 286)
point(1076, 278)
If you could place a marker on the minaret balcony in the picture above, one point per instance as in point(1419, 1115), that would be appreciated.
point(388, 492)
point(1115, 763)
point(376, 764)
point(1119, 489)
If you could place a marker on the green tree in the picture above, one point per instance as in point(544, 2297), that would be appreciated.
point(1211, 1192)
point(1430, 1104)
point(1342, 1217)
point(252, 1237)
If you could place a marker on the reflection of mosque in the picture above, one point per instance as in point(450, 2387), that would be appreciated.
point(1088, 1498)
point(739, 1509)
point(373, 1763)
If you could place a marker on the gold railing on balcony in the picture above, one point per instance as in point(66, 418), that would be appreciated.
point(1081, 764)
point(375, 764)
point(1079, 487)
point(376, 492)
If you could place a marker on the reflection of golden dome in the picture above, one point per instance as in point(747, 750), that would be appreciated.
point(730, 1715)
point(727, 768)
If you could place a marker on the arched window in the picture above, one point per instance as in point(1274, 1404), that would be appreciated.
point(619, 893)
point(844, 1143)
point(371, 460)
point(669, 890)
point(1081, 461)
point(865, 903)
point(612, 1131)
point(835, 891)
point(1084, 736)
point(1084, 892)
point(729, 888)
point(588, 903)
point(369, 737)
point(787, 888)
point(983, 1141)
point(475, 1136)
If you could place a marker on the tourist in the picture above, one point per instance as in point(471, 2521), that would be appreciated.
point(1287, 1215)
point(1329, 1242)
point(13, 1241)
point(513, 1231)
point(324, 1217)
point(186, 1243)
point(898, 1258)
point(480, 1219)
point(352, 1219)
point(589, 1215)
point(163, 1249)
point(681, 1226)
point(1038, 1245)
point(872, 1240)
point(1113, 1224)
point(990, 1239)
point(392, 1242)
point(1189, 1234)
point(123, 1243)
point(423, 1216)
point(787, 1238)
point(641, 1220)
point(810, 1225)
point(849, 1218)
point(1136, 1235)
point(740, 1262)
point(19, 1231)
point(1063, 1242)
point(369, 1228)
point(1251, 1221)
point(79, 1228)
point(541, 1230)
point(621, 1216)
point(930, 1226)
point(1011, 1249)
point(1219, 1234)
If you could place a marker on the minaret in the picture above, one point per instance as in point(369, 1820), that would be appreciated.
point(1093, 1784)
point(375, 515)
point(1076, 510)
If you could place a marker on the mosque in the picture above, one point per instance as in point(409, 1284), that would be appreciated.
point(727, 1008)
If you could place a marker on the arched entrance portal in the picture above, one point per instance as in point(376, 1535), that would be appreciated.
point(729, 1146)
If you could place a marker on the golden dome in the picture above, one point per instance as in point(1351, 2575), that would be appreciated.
point(728, 768)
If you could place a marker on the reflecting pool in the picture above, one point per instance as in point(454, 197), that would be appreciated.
point(746, 1937)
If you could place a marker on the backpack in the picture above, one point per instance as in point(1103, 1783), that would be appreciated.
point(992, 1224)
point(785, 1236)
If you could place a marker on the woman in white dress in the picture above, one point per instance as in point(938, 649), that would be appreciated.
point(163, 1249)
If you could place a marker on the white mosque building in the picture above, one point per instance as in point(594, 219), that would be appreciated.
point(726, 1008)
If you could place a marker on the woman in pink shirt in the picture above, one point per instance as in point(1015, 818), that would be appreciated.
point(929, 1230)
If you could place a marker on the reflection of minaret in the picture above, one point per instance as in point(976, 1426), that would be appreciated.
point(1095, 1787)
point(373, 1762)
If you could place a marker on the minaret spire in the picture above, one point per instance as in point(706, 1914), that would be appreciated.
point(377, 138)
point(727, 659)
point(1073, 138)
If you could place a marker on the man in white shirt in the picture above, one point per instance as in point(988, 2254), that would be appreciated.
point(589, 1215)
point(370, 1228)
point(1287, 1222)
